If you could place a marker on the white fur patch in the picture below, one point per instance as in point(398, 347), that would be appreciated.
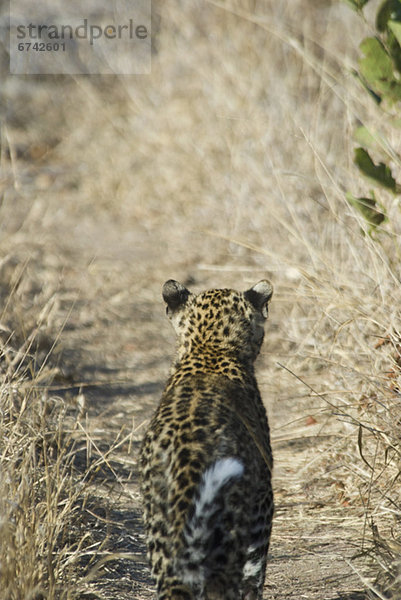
point(214, 478)
point(251, 569)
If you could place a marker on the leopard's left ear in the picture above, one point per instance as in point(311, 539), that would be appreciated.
point(259, 296)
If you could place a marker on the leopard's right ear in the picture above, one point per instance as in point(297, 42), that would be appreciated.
point(260, 295)
point(174, 294)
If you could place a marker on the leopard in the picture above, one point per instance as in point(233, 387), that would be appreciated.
point(206, 460)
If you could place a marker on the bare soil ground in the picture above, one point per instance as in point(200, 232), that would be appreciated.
point(225, 166)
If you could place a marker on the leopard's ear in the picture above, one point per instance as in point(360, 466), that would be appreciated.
point(259, 296)
point(174, 294)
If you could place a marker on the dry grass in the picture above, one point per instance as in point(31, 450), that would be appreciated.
point(231, 161)
point(38, 497)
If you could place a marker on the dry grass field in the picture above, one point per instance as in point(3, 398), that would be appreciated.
point(229, 163)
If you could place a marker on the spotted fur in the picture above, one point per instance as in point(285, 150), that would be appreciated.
point(206, 459)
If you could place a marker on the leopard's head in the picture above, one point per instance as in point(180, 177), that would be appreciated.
point(220, 320)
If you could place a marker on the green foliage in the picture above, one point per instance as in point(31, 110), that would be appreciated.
point(379, 70)
point(380, 173)
point(373, 213)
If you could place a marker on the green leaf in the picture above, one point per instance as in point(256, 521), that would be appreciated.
point(395, 27)
point(377, 69)
point(368, 208)
point(377, 63)
point(380, 173)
